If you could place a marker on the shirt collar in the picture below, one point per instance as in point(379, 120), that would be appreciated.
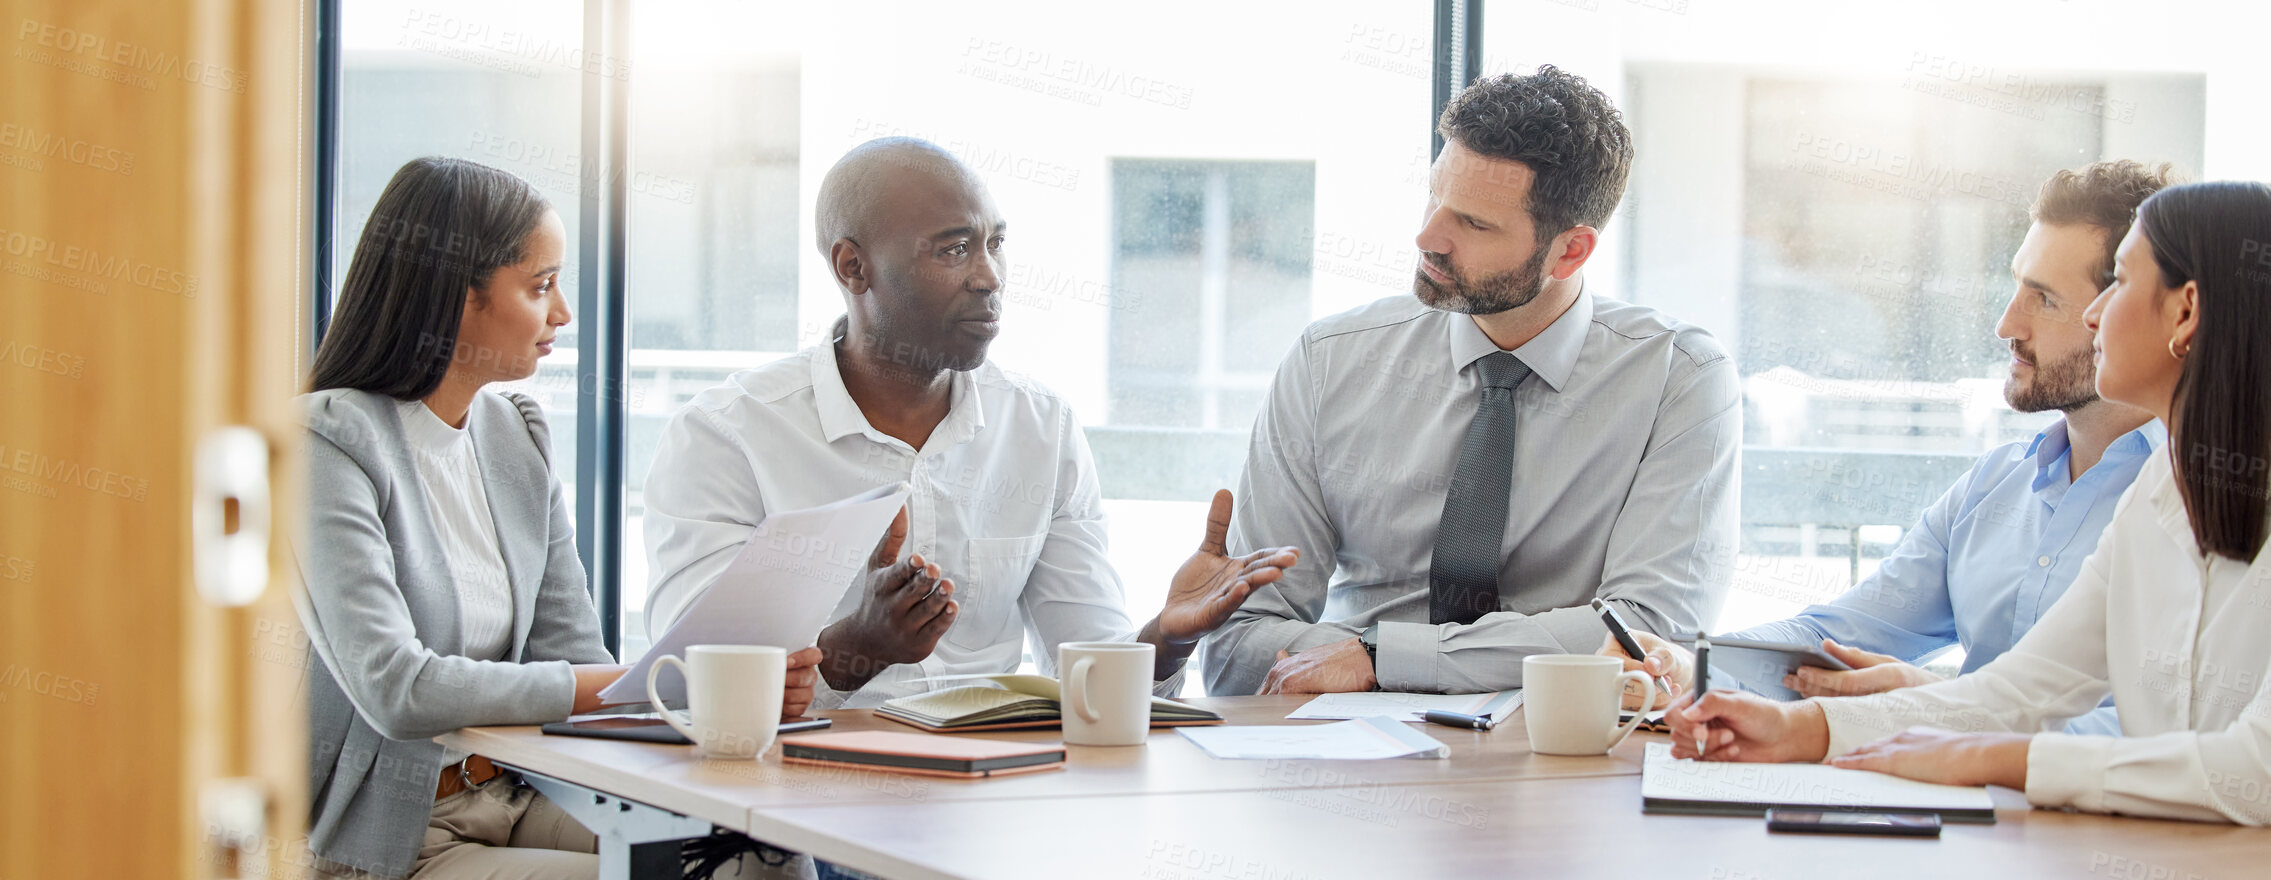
point(840, 415)
point(1552, 354)
point(2049, 450)
point(2150, 436)
point(2052, 444)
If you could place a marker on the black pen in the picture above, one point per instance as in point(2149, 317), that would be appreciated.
point(1449, 718)
point(1702, 683)
point(1623, 634)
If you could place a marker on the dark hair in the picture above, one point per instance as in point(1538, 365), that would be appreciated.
point(440, 227)
point(2100, 194)
point(1559, 126)
point(2215, 235)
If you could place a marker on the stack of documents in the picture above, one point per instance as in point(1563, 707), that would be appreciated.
point(1359, 739)
point(1408, 707)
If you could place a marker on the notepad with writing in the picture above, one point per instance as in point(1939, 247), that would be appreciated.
point(1718, 788)
point(921, 753)
point(1019, 701)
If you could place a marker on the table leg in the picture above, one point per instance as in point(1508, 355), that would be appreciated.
point(636, 841)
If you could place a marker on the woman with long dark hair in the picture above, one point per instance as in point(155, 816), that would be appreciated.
point(2170, 614)
point(443, 587)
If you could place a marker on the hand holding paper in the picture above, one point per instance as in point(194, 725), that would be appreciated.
point(780, 587)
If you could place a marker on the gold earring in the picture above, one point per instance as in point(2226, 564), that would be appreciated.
point(2172, 349)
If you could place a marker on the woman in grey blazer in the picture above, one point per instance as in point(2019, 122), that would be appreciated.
point(443, 587)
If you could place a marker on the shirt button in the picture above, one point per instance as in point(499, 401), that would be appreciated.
point(2044, 562)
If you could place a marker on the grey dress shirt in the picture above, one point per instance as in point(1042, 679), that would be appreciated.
point(1624, 488)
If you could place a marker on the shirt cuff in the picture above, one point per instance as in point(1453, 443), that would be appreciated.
point(1405, 657)
point(825, 697)
point(2068, 771)
point(1171, 686)
point(1853, 724)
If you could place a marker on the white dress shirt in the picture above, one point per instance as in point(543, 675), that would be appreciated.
point(1005, 503)
point(2178, 639)
point(1625, 448)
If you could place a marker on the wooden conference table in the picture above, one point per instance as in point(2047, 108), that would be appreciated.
point(1168, 811)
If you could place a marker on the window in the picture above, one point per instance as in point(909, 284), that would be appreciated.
point(1841, 212)
point(493, 82)
point(716, 228)
point(1210, 285)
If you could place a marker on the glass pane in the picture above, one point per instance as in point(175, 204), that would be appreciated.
point(1840, 207)
point(1183, 200)
point(491, 81)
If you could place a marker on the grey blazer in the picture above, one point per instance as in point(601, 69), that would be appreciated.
point(385, 671)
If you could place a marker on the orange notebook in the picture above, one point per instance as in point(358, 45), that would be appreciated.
point(921, 753)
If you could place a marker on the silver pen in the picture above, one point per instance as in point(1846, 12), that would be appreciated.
point(1702, 683)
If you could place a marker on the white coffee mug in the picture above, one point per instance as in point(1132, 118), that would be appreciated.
point(1107, 692)
point(733, 697)
point(1569, 702)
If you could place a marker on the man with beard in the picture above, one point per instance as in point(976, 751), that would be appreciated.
point(1003, 535)
point(1467, 468)
point(2002, 544)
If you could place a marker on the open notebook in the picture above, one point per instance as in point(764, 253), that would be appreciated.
point(1675, 785)
point(1019, 701)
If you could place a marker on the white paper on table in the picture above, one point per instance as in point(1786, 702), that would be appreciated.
point(1356, 739)
point(1499, 706)
point(1819, 785)
point(778, 590)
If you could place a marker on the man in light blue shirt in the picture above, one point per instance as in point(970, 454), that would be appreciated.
point(1990, 557)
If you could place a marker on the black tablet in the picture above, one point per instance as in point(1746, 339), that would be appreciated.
point(648, 728)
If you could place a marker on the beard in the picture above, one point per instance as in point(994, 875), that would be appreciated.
point(1489, 295)
point(2066, 384)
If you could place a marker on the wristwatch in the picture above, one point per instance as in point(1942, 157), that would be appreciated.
point(1370, 639)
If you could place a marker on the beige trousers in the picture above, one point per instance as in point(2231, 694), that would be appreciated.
point(504, 832)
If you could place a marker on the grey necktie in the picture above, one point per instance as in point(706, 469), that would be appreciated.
point(1463, 578)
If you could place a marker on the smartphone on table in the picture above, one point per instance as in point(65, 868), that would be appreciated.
point(1844, 822)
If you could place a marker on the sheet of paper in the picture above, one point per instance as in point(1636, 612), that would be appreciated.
point(778, 590)
point(1357, 739)
point(1665, 777)
point(1406, 707)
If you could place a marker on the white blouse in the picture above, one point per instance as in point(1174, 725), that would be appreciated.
point(459, 506)
point(2182, 641)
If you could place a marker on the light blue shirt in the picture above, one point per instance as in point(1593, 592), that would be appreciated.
point(1986, 560)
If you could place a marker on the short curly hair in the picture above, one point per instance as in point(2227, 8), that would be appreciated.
point(1562, 128)
point(2101, 194)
